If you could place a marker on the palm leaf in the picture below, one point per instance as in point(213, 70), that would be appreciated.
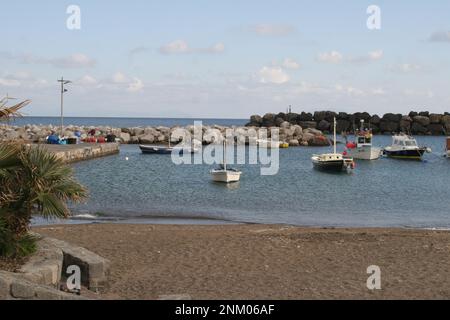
point(7, 113)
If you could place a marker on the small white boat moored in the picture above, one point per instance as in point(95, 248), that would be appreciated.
point(362, 148)
point(225, 174)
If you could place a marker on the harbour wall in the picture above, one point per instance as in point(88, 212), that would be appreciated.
point(416, 123)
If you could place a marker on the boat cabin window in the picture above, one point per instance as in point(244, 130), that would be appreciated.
point(411, 143)
point(361, 140)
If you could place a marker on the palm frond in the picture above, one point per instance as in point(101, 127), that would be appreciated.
point(7, 113)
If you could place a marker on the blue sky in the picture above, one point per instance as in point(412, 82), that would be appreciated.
point(226, 58)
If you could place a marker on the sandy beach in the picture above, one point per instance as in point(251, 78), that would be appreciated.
point(265, 262)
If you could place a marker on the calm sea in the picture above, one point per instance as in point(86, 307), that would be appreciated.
point(125, 122)
point(383, 193)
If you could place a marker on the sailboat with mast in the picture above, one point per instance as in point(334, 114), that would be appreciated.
point(224, 173)
point(334, 162)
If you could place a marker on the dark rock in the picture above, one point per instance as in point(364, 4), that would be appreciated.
point(389, 126)
point(282, 115)
point(436, 129)
point(390, 117)
point(126, 130)
point(343, 125)
point(319, 116)
point(323, 125)
point(343, 116)
point(329, 116)
point(417, 128)
point(268, 120)
point(305, 117)
point(375, 119)
point(256, 119)
point(424, 114)
point(319, 141)
point(279, 121)
point(422, 120)
point(375, 129)
point(412, 114)
point(292, 117)
point(308, 124)
point(435, 118)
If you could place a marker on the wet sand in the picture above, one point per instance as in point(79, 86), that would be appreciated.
point(265, 262)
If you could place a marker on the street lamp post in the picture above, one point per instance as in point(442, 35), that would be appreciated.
point(63, 90)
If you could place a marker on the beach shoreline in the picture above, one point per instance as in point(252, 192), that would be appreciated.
point(251, 261)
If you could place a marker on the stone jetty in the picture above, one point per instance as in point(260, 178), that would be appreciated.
point(416, 123)
point(294, 134)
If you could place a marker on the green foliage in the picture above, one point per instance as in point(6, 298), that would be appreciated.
point(32, 182)
point(15, 246)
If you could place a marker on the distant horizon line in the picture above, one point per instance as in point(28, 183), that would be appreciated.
point(118, 117)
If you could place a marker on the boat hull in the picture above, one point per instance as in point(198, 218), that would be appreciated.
point(164, 150)
point(365, 153)
point(332, 166)
point(413, 154)
point(225, 177)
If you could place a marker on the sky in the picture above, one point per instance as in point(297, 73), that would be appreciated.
point(226, 59)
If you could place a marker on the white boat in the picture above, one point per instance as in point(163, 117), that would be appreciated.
point(405, 147)
point(362, 148)
point(334, 162)
point(225, 174)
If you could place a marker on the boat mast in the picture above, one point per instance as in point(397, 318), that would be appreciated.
point(335, 151)
point(225, 154)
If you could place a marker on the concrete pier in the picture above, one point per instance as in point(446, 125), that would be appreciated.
point(84, 151)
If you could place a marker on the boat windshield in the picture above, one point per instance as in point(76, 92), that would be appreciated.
point(411, 143)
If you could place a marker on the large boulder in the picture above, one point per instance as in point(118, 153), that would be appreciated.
point(343, 116)
point(279, 122)
point(324, 125)
point(305, 117)
point(435, 118)
point(390, 117)
point(389, 126)
point(412, 114)
point(405, 124)
point(422, 120)
point(294, 143)
point(436, 129)
point(256, 119)
point(417, 128)
point(375, 119)
point(320, 115)
point(308, 124)
point(424, 114)
point(313, 131)
point(125, 137)
point(298, 131)
point(343, 125)
point(147, 139)
point(268, 120)
point(319, 141)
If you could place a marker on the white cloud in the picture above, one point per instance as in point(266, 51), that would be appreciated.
point(177, 46)
point(376, 55)
point(273, 75)
point(349, 90)
point(119, 78)
point(135, 86)
point(290, 64)
point(181, 46)
point(406, 68)
point(76, 60)
point(330, 57)
point(88, 80)
point(217, 48)
point(272, 29)
point(440, 36)
point(9, 82)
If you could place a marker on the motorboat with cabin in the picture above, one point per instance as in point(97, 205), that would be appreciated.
point(405, 147)
point(362, 148)
point(334, 162)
